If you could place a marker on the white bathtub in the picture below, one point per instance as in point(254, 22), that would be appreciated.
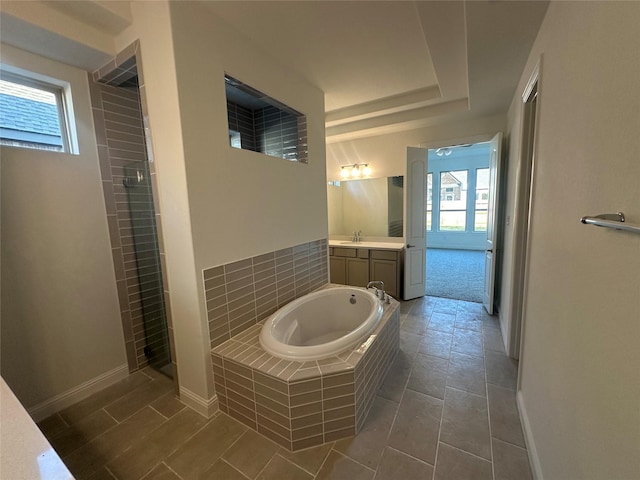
point(321, 324)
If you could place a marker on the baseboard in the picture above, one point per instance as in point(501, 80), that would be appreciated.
point(204, 407)
point(44, 409)
point(534, 461)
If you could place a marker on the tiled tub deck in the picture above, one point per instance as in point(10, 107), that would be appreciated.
point(300, 405)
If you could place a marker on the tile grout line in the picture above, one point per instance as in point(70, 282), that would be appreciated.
point(169, 468)
point(435, 462)
point(486, 388)
point(468, 453)
point(231, 466)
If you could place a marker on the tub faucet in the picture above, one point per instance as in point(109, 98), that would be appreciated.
point(379, 293)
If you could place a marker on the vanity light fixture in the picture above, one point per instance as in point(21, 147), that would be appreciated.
point(355, 170)
point(446, 151)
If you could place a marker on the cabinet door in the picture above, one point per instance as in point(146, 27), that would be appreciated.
point(337, 270)
point(387, 271)
point(357, 272)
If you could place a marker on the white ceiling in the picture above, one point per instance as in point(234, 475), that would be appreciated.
point(391, 65)
point(384, 65)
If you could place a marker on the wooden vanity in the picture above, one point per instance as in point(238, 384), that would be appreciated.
point(357, 264)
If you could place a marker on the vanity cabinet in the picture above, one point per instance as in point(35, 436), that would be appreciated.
point(359, 266)
point(349, 266)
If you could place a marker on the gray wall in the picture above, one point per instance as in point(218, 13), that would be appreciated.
point(579, 384)
point(60, 320)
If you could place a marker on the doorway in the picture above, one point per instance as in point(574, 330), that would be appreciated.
point(457, 207)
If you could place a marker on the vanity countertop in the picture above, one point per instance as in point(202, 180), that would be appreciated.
point(25, 452)
point(373, 245)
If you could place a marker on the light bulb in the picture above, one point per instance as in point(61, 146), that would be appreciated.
point(344, 173)
point(367, 170)
point(355, 171)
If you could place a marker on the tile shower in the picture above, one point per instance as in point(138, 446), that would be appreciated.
point(133, 215)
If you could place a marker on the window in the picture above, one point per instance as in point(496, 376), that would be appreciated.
point(259, 123)
point(32, 114)
point(482, 200)
point(453, 201)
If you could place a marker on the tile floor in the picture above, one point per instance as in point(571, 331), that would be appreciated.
point(446, 411)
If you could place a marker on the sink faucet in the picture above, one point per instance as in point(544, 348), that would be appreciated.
point(356, 236)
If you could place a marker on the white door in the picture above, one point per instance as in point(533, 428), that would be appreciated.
point(492, 223)
point(415, 262)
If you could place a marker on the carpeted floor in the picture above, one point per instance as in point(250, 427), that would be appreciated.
point(457, 274)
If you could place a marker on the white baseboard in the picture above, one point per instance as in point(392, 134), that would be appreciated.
point(65, 399)
point(534, 461)
point(204, 407)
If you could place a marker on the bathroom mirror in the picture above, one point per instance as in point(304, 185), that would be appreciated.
point(372, 205)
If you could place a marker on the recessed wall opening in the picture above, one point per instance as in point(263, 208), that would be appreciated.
point(262, 124)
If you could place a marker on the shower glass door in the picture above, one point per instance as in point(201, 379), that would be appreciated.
point(145, 241)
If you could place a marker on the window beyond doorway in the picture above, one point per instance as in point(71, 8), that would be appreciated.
point(458, 197)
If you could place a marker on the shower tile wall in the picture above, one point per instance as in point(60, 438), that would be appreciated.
point(240, 294)
point(118, 116)
point(270, 130)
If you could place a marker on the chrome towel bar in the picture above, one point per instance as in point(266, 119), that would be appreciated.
point(611, 220)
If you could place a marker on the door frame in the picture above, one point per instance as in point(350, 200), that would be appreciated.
point(524, 202)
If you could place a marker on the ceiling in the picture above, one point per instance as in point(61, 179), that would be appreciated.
point(384, 65)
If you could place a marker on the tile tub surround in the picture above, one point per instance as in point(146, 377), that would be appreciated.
point(242, 293)
point(303, 404)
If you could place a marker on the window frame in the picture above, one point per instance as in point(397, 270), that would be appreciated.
point(61, 105)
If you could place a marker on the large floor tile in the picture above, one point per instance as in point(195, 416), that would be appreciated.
point(52, 425)
point(340, 467)
point(130, 403)
point(466, 372)
point(503, 412)
point(310, 459)
point(465, 423)
point(93, 455)
point(282, 469)
point(221, 470)
point(157, 445)
point(501, 370)
point(397, 376)
point(468, 342)
point(81, 432)
point(492, 339)
point(415, 324)
point(161, 472)
point(510, 462)
point(429, 376)
point(104, 397)
point(409, 343)
point(468, 320)
point(250, 453)
point(203, 449)
point(367, 446)
point(396, 465)
point(168, 404)
point(415, 430)
point(446, 305)
point(436, 343)
point(442, 322)
point(454, 464)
